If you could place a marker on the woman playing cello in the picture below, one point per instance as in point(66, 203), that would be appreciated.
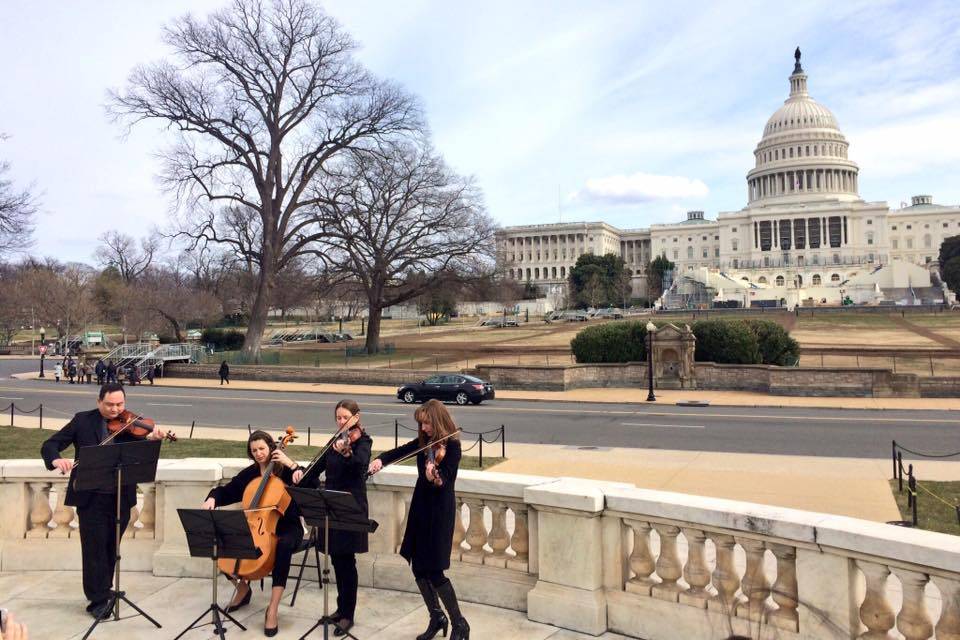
point(428, 538)
point(262, 449)
point(345, 463)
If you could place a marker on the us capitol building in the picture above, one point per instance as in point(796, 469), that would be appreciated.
point(804, 234)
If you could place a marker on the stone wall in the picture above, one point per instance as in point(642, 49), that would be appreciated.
point(346, 375)
point(787, 381)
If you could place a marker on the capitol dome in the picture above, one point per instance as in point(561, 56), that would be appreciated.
point(802, 154)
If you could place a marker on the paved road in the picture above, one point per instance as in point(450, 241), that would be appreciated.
point(817, 432)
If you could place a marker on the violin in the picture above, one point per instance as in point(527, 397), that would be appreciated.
point(435, 455)
point(134, 425)
point(264, 501)
point(131, 424)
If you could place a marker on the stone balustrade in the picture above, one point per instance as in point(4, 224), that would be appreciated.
point(584, 555)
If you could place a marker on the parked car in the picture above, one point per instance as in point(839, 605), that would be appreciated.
point(447, 387)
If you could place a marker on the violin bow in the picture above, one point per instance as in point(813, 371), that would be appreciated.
point(410, 455)
point(349, 424)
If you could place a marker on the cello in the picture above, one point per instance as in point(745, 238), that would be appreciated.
point(264, 501)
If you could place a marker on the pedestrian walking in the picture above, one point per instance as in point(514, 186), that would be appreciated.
point(150, 375)
point(58, 372)
point(224, 373)
point(111, 372)
point(101, 370)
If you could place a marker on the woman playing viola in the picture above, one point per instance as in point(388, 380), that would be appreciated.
point(345, 464)
point(262, 449)
point(428, 538)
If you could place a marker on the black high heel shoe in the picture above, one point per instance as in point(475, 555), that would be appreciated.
point(243, 602)
point(270, 631)
point(342, 627)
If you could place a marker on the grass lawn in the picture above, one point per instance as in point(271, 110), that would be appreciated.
point(932, 514)
point(17, 442)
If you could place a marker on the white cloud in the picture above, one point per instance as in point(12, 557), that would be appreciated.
point(640, 187)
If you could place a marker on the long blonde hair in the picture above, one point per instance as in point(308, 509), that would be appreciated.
point(439, 417)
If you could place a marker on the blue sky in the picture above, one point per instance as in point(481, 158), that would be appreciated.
point(627, 112)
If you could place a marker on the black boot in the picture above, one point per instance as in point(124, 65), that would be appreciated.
point(438, 621)
point(461, 630)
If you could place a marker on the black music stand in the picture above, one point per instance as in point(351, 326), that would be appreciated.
point(331, 510)
point(114, 467)
point(211, 534)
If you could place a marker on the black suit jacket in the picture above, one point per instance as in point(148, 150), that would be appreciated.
point(83, 431)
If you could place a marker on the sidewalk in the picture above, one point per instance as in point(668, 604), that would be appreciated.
point(603, 395)
point(51, 604)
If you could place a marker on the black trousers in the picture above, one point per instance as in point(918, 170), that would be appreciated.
point(345, 567)
point(98, 536)
point(287, 543)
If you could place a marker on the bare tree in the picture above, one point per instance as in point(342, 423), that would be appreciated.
point(123, 253)
point(263, 95)
point(14, 305)
point(173, 299)
point(61, 295)
point(399, 212)
point(17, 209)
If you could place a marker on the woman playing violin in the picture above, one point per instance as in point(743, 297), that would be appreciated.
point(262, 449)
point(428, 538)
point(345, 463)
point(96, 510)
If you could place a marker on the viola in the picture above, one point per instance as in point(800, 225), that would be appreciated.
point(265, 500)
point(134, 425)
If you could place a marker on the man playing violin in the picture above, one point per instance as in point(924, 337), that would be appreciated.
point(96, 510)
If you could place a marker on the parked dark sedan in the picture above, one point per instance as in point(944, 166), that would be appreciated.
point(456, 388)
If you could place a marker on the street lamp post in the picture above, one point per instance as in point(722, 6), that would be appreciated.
point(651, 329)
point(43, 350)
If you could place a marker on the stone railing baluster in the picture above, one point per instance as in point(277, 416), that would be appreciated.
point(131, 530)
point(875, 611)
point(725, 578)
point(696, 572)
point(913, 621)
point(785, 588)
point(755, 585)
point(498, 538)
point(948, 626)
point(459, 532)
point(520, 540)
point(669, 568)
point(476, 532)
point(62, 515)
point(40, 511)
point(405, 510)
point(641, 559)
point(148, 513)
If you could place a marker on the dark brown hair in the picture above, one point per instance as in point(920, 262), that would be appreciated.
point(349, 405)
point(261, 435)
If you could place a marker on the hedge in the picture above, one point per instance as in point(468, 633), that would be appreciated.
point(721, 340)
point(611, 342)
